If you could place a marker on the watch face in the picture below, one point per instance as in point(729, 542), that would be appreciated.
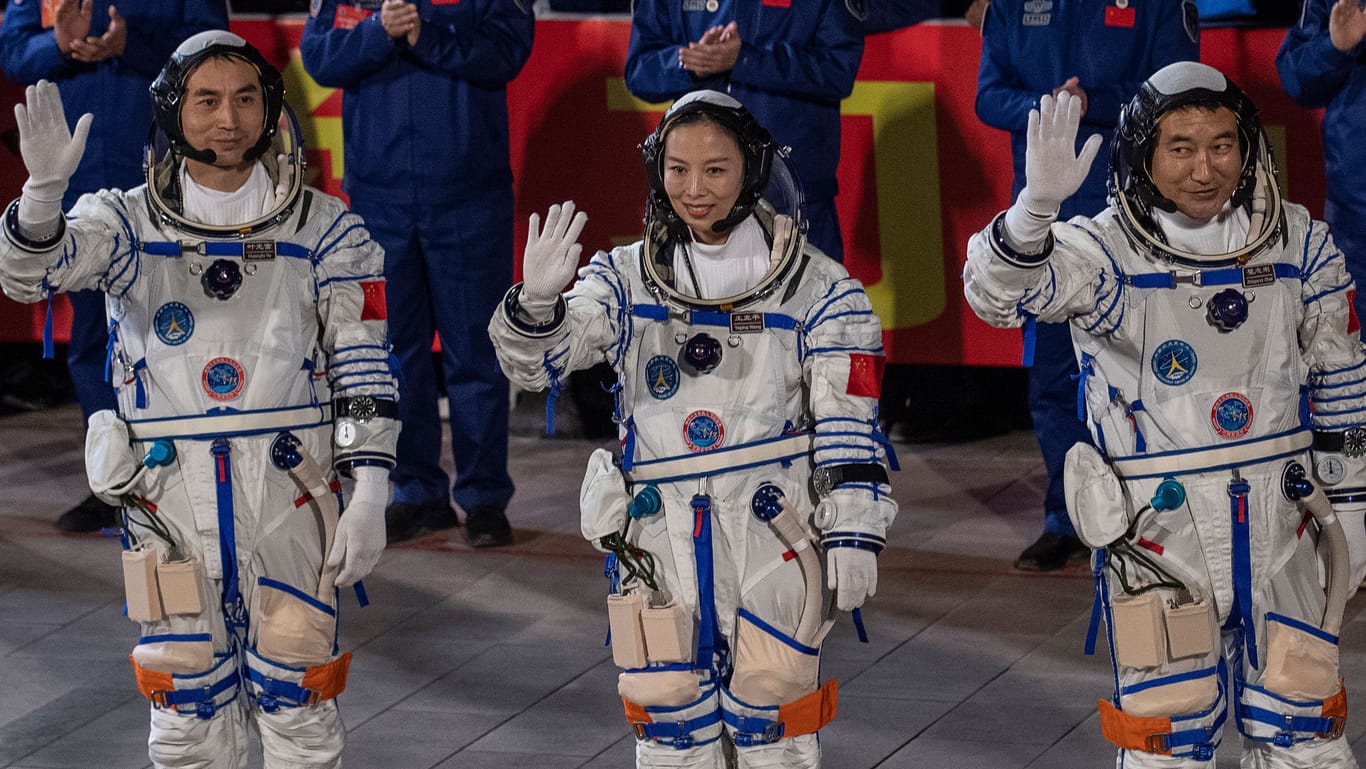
point(346, 433)
point(363, 407)
point(821, 480)
point(1354, 442)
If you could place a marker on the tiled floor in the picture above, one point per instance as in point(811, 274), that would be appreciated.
point(493, 660)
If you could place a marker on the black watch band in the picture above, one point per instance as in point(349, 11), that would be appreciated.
point(1350, 442)
point(363, 408)
point(828, 477)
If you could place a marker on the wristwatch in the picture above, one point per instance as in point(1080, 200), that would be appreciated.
point(826, 477)
point(363, 408)
point(1350, 442)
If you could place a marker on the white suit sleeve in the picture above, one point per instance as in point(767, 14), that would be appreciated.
point(843, 360)
point(591, 325)
point(1330, 339)
point(349, 269)
point(1074, 277)
point(92, 249)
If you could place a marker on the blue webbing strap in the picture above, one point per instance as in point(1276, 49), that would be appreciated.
point(1242, 564)
point(234, 609)
point(710, 642)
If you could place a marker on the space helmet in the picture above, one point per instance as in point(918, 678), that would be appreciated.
point(1135, 195)
point(769, 191)
point(280, 147)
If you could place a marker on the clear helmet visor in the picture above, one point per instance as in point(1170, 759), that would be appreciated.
point(779, 212)
point(283, 160)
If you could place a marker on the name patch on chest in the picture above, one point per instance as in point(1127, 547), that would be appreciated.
point(1259, 275)
point(746, 322)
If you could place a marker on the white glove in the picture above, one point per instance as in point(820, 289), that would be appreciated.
point(851, 575)
point(51, 152)
point(359, 540)
point(550, 259)
point(1053, 169)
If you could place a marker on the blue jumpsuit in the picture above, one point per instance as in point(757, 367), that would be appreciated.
point(115, 91)
point(797, 61)
point(1316, 74)
point(426, 142)
point(1030, 47)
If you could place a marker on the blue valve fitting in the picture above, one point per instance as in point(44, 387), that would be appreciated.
point(161, 453)
point(646, 503)
point(1170, 494)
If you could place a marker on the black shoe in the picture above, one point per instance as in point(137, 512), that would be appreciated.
point(1051, 552)
point(404, 521)
point(90, 515)
point(487, 526)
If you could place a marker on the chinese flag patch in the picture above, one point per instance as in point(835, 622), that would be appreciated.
point(1119, 17)
point(348, 16)
point(375, 307)
point(865, 375)
point(777, 3)
point(1353, 322)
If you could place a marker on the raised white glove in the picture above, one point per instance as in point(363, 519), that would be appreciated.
point(359, 540)
point(550, 258)
point(51, 152)
point(851, 575)
point(1054, 171)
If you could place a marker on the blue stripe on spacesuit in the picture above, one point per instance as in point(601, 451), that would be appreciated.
point(349, 279)
point(234, 611)
point(776, 634)
point(710, 642)
point(1225, 277)
point(1304, 627)
point(1344, 370)
point(1327, 292)
point(1242, 564)
point(1318, 262)
point(1115, 301)
point(815, 319)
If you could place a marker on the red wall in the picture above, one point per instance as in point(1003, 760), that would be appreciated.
point(918, 174)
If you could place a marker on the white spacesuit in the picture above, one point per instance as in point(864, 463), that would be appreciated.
point(249, 349)
point(1217, 346)
point(729, 397)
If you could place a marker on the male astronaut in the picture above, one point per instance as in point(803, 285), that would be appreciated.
point(250, 356)
point(749, 365)
point(1222, 376)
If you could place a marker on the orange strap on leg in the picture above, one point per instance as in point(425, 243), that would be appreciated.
point(327, 680)
point(151, 683)
point(810, 713)
point(1148, 734)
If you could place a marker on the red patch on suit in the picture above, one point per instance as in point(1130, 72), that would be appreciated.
point(1119, 17)
point(48, 13)
point(778, 3)
point(445, 2)
point(865, 375)
point(348, 16)
point(1353, 322)
point(376, 308)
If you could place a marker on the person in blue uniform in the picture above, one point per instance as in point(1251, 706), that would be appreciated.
point(1101, 53)
point(426, 140)
point(1322, 63)
point(103, 57)
point(789, 63)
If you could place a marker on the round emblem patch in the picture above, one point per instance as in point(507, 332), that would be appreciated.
point(1232, 415)
point(223, 379)
point(173, 323)
point(703, 431)
point(661, 376)
point(1174, 362)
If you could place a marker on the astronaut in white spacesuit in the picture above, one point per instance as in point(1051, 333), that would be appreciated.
point(249, 349)
point(749, 367)
point(1223, 381)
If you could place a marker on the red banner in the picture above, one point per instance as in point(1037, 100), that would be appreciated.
point(918, 173)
